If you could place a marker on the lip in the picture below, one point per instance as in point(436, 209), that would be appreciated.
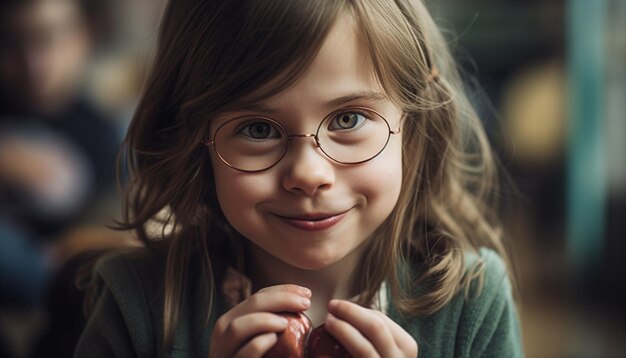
point(314, 221)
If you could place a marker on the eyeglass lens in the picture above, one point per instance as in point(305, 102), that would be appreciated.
point(256, 143)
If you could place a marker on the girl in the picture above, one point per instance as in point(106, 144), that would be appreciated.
point(314, 156)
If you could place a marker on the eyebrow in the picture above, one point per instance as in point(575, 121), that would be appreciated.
point(257, 108)
point(370, 96)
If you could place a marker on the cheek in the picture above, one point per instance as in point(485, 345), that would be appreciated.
point(238, 194)
point(380, 180)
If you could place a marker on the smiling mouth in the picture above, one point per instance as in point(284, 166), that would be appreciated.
point(314, 222)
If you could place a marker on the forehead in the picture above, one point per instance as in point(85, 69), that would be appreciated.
point(341, 72)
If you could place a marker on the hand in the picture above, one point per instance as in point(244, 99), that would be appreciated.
point(249, 329)
point(368, 333)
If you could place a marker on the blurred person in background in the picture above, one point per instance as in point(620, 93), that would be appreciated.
point(57, 149)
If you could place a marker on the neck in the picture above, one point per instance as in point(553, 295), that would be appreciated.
point(332, 282)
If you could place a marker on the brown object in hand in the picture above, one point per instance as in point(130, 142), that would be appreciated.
point(322, 344)
point(292, 342)
point(300, 340)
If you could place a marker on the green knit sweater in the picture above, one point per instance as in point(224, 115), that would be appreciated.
point(127, 318)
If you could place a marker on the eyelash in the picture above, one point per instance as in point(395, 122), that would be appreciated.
point(247, 126)
point(337, 115)
point(359, 111)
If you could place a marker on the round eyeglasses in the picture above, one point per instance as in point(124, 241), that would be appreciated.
point(352, 135)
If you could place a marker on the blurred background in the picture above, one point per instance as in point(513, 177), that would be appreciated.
point(549, 78)
point(70, 75)
point(553, 76)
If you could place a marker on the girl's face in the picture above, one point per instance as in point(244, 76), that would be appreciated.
point(307, 210)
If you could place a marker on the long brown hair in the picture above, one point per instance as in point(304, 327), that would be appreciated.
point(213, 54)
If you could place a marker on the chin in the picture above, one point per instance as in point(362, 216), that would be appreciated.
point(314, 262)
point(310, 264)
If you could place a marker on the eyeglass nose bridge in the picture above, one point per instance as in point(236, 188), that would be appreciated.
point(312, 135)
point(302, 136)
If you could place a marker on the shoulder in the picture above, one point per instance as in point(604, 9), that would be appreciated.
point(140, 271)
point(489, 287)
point(135, 279)
point(126, 313)
point(488, 273)
point(481, 320)
point(489, 321)
point(134, 284)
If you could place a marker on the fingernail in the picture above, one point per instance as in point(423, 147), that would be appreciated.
point(283, 321)
point(333, 303)
point(305, 301)
point(330, 317)
point(306, 292)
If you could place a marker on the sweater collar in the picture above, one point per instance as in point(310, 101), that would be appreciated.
point(237, 287)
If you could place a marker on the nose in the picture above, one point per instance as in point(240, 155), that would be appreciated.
point(308, 170)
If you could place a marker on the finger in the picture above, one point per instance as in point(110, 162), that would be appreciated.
point(275, 301)
point(257, 346)
point(266, 301)
point(350, 337)
point(403, 339)
point(288, 288)
point(369, 323)
point(241, 329)
point(271, 299)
